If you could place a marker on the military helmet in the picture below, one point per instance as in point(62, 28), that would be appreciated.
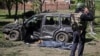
point(80, 5)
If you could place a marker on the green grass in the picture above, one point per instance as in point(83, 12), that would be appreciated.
point(97, 5)
point(8, 44)
point(4, 15)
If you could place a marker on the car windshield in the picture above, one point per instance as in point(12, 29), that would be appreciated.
point(35, 19)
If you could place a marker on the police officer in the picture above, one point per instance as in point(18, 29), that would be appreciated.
point(79, 33)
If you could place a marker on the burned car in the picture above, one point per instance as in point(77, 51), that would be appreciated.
point(50, 25)
point(55, 26)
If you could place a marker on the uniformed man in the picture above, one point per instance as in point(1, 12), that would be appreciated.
point(79, 32)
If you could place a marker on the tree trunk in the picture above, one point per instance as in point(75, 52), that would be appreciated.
point(41, 4)
point(16, 11)
point(9, 7)
point(40, 7)
point(9, 12)
point(24, 12)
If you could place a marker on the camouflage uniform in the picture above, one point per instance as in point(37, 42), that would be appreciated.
point(79, 36)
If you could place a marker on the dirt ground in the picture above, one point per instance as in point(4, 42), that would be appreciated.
point(92, 48)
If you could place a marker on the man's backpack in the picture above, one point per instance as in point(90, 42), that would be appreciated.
point(87, 17)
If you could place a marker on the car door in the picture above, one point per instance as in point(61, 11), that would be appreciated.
point(50, 25)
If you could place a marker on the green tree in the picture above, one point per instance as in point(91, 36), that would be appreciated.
point(77, 1)
point(16, 2)
point(2, 4)
point(37, 5)
point(81, 1)
point(9, 4)
point(16, 8)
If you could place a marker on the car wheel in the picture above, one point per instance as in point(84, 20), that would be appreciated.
point(61, 36)
point(14, 35)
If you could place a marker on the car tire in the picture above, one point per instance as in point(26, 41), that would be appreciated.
point(62, 37)
point(14, 35)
